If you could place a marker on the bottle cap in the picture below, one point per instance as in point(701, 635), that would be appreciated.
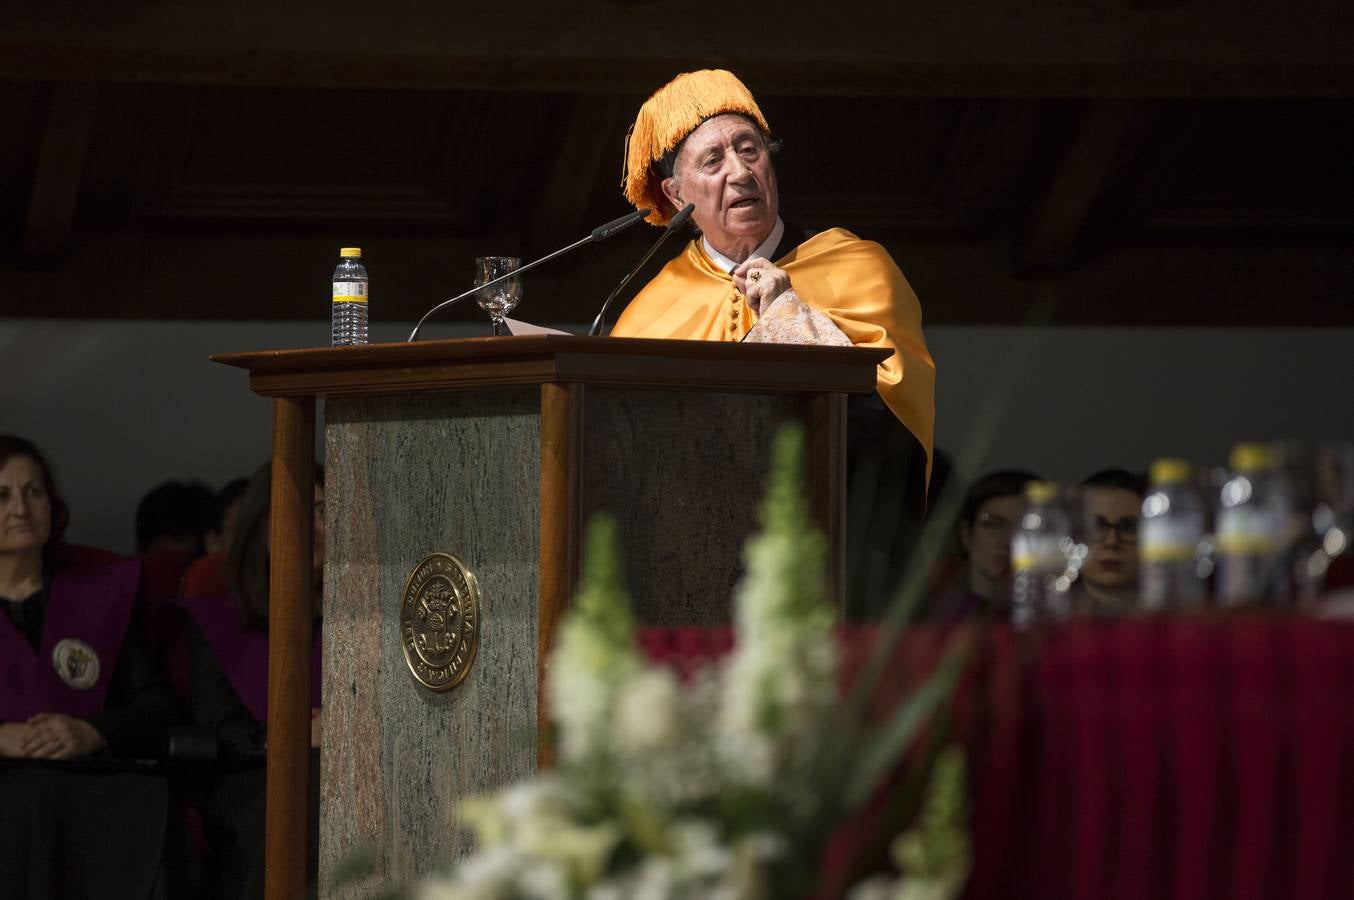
point(1171, 471)
point(1253, 458)
point(1041, 491)
point(350, 251)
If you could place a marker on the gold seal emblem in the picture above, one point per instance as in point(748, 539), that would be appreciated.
point(76, 663)
point(440, 621)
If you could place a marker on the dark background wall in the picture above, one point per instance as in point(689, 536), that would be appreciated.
point(124, 405)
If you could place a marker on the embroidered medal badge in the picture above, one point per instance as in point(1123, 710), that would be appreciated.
point(76, 663)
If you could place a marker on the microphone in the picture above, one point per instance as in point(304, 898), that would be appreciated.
point(600, 233)
point(677, 222)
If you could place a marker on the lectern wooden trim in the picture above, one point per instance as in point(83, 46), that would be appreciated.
point(565, 368)
point(536, 359)
point(290, 624)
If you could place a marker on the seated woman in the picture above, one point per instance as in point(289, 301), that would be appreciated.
point(228, 649)
point(987, 518)
point(78, 690)
point(75, 676)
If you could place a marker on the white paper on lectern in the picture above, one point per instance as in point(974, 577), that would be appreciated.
point(516, 327)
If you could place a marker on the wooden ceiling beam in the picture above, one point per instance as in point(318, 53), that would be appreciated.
point(995, 145)
point(578, 166)
point(1100, 158)
point(56, 177)
point(1193, 79)
point(1098, 48)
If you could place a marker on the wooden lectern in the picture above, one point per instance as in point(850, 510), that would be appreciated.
point(496, 451)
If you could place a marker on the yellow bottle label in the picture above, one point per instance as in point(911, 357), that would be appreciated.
point(350, 292)
point(1247, 531)
point(1247, 544)
point(1153, 553)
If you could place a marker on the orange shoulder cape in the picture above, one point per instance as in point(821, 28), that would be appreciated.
point(855, 283)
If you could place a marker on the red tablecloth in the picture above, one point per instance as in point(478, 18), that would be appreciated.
point(1169, 758)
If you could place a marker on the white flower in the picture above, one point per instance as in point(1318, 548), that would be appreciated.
point(500, 819)
point(437, 889)
point(905, 888)
point(656, 880)
point(543, 881)
point(582, 850)
point(595, 653)
point(652, 879)
point(765, 846)
point(611, 889)
point(527, 799)
point(487, 875)
point(698, 850)
point(584, 678)
point(878, 888)
point(781, 680)
point(647, 715)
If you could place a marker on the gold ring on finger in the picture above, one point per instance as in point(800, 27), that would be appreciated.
point(756, 275)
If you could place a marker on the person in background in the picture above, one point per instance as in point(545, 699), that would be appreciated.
point(1112, 504)
point(79, 691)
point(171, 521)
point(988, 516)
point(227, 638)
point(229, 654)
point(227, 510)
point(175, 515)
point(76, 678)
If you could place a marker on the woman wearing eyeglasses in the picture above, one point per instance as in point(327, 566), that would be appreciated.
point(982, 586)
point(1113, 504)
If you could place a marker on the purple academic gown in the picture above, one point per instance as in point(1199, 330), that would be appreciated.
point(243, 651)
point(88, 610)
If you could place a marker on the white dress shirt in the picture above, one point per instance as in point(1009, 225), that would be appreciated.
point(764, 249)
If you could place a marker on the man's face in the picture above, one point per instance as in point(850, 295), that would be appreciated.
point(988, 539)
point(724, 168)
point(1112, 535)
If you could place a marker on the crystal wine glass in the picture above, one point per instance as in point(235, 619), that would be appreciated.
point(502, 298)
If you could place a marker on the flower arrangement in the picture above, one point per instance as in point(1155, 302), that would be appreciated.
point(729, 784)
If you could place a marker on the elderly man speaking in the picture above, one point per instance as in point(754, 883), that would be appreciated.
point(701, 139)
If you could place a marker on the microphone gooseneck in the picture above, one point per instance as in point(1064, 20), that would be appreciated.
point(677, 222)
point(600, 233)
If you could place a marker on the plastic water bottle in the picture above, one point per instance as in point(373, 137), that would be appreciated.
point(1253, 513)
point(1332, 516)
point(1303, 555)
point(349, 311)
point(1168, 541)
point(1039, 558)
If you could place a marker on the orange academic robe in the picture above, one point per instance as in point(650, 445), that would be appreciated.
point(854, 282)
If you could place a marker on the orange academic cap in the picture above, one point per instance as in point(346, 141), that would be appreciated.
point(673, 112)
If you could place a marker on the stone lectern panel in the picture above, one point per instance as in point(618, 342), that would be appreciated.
point(407, 476)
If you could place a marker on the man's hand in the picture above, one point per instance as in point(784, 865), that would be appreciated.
point(57, 736)
point(12, 736)
point(760, 282)
point(789, 320)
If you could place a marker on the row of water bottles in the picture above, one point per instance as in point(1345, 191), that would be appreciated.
point(1262, 532)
